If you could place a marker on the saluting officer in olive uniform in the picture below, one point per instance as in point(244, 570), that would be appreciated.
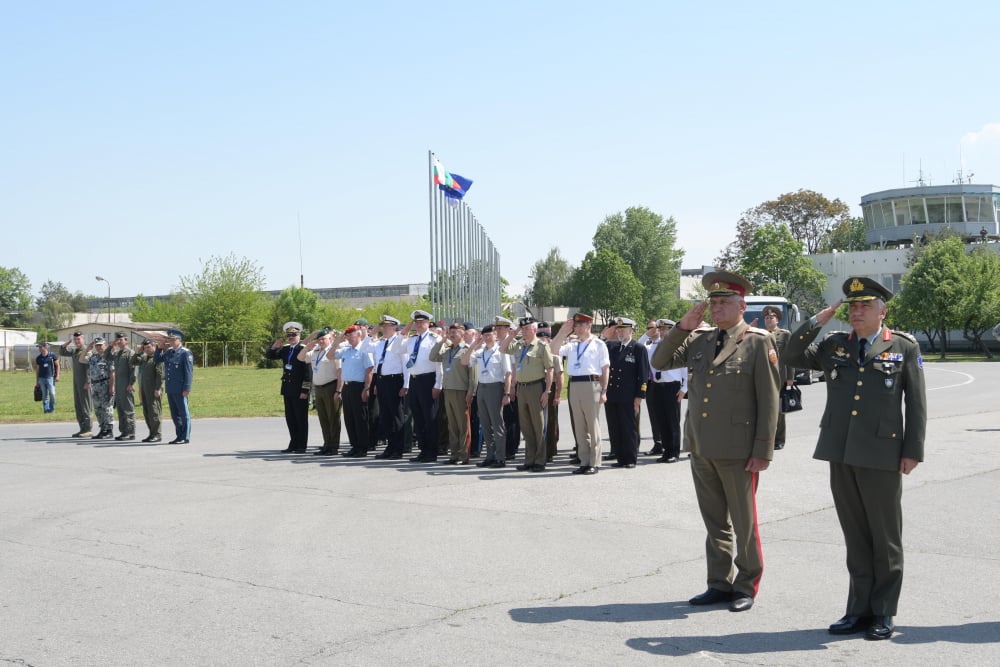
point(532, 362)
point(874, 377)
point(627, 378)
point(82, 400)
point(121, 357)
point(733, 412)
point(150, 388)
point(296, 383)
point(786, 374)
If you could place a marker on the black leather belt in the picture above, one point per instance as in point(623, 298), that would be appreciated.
point(391, 375)
point(528, 384)
point(422, 375)
point(584, 378)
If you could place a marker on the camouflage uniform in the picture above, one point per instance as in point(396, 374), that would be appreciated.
point(99, 372)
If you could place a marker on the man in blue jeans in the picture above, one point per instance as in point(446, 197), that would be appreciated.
point(46, 375)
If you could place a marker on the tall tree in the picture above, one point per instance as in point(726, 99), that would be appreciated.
point(845, 235)
point(225, 301)
point(604, 284)
point(809, 215)
point(15, 296)
point(646, 242)
point(773, 261)
point(299, 305)
point(549, 279)
point(54, 305)
point(931, 294)
point(157, 311)
point(980, 305)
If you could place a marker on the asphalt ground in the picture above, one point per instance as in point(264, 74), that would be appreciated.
point(227, 552)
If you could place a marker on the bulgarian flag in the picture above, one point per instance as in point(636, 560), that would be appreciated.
point(453, 185)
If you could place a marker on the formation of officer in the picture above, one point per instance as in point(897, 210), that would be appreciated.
point(296, 383)
point(587, 369)
point(457, 388)
point(664, 395)
point(628, 372)
point(178, 373)
point(121, 359)
point(100, 384)
point(83, 403)
point(532, 365)
point(786, 374)
point(733, 414)
point(150, 375)
point(871, 433)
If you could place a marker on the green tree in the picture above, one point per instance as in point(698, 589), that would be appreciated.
point(299, 305)
point(646, 242)
point(54, 305)
point(605, 285)
point(846, 235)
point(980, 304)
point(549, 280)
point(225, 301)
point(808, 215)
point(15, 297)
point(931, 294)
point(773, 261)
point(157, 311)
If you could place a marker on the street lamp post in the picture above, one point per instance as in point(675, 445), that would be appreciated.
point(109, 295)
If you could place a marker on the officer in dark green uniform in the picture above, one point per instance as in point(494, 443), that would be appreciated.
point(772, 319)
point(732, 416)
point(874, 378)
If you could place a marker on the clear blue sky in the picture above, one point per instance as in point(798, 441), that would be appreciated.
point(143, 137)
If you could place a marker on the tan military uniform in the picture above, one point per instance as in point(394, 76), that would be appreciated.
point(534, 376)
point(876, 414)
point(457, 384)
point(732, 416)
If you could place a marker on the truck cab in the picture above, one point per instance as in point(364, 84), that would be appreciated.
point(791, 318)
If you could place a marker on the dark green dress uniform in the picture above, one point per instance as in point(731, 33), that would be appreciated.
point(732, 416)
point(876, 414)
point(785, 373)
point(150, 392)
point(83, 403)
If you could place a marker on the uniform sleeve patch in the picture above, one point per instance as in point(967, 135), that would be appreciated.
point(772, 356)
point(920, 361)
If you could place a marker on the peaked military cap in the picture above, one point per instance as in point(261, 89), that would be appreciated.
point(525, 321)
point(726, 283)
point(624, 322)
point(292, 328)
point(389, 319)
point(147, 341)
point(419, 315)
point(582, 317)
point(859, 288)
point(457, 325)
point(175, 333)
point(500, 321)
point(77, 333)
point(119, 335)
point(664, 322)
point(98, 340)
point(771, 309)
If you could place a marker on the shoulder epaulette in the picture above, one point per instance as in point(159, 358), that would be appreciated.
point(903, 334)
point(758, 331)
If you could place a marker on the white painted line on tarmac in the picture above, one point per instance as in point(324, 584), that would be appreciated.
point(969, 379)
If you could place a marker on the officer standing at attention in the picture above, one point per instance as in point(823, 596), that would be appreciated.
point(150, 388)
point(733, 412)
point(356, 369)
point(786, 374)
point(121, 358)
point(627, 378)
point(296, 383)
point(667, 390)
point(422, 385)
point(101, 385)
point(872, 433)
point(533, 370)
point(587, 368)
point(390, 368)
point(178, 370)
point(544, 333)
point(82, 401)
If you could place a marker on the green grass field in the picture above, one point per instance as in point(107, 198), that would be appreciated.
point(217, 392)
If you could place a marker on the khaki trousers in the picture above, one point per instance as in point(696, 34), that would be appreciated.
point(531, 417)
point(584, 401)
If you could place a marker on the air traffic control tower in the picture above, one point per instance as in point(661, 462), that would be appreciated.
point(895, 218)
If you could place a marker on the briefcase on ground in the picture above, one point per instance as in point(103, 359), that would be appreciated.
point(791, 399)
point(38, 394)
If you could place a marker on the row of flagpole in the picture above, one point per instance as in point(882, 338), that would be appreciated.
point(465, 265)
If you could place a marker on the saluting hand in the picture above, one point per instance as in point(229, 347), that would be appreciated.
point(693, 317)
point(825, 315)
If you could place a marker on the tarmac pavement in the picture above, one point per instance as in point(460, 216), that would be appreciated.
point(227, 552)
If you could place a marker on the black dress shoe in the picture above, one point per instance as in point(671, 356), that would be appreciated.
point(779, 445)
point(182, 441)
point(151, 440)
point(485, 464)
point(580, 470)
point(668, 459)
point(655, 451)
point(850, 625)
point(498, 464)
point(536, 468)
point(711, 596)
point(741, 602)
point(617, 464)
point(286, 450)
point(125, 437)
point(324, 452)
point(451, 462)
point(356, 455)
point(881, 628)
point(591, 470)
point(524, 467)
point(393, 457)
point(422, 459)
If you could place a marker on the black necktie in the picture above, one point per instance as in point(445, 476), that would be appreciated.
point(862, 342)
point(720, 342)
